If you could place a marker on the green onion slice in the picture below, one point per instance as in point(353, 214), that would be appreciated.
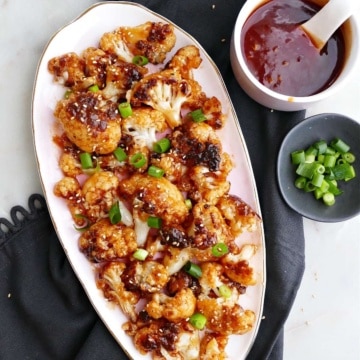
point(340, 146)
point(86, 160)
point(219, 249)
point(198, 321)
point(154, 222)
point(198, 115)
point(114, 213)
point(120, 154)
point(140, 254)
point(86, 223)
point(94, 88)
point(193, 269)
point(138, 160)
point(162, 146)
point(298, 157)
point(225, 291)
point(67, 94)
point(328, 199)
point(125, 109)
point(155, 171)
point(140, 60)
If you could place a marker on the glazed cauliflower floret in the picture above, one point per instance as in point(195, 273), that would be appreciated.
point(237, 266)
point(208, 227)
point(225, 317)
point(68, 188)
point(212, 347)
point(166, 340)
point(173, 308)
point(211, 278)
point(104, 241)
point(197, 144)
point(69, 70)
point(185, 60)
point(100, 193)
point(149, 276)
point(109, 281)
point(90, 122)
point(70, 164)
point(175, 259)
point(143, 125)
point(238, 214)
point(159, 197)
point(152, 40)
point(165, 91)
point(120, 76)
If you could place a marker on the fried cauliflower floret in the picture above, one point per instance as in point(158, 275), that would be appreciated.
point(90, 122)
point(149, 276)
point(159, 197)
point(237, 266)
point(175, 308)
point(211, 278)
point(166, 340)
point(68, 188)
point(104, 241)
point(210, 186)
point(151, 39)
point(208, 227)
point(120, 76)
point(185, 60)
point(197, 144)
point(212, 347)
point(225, 317)
point(70, 165)
point(143, 125)
point(109, 281)
point(69, 70)
point(100, 193)
point(238, 214)
point(175, 259)
point(165, 91)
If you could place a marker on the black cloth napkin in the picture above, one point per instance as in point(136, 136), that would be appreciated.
point(44, 312)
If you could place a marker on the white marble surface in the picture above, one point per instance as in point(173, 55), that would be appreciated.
point(325, 320)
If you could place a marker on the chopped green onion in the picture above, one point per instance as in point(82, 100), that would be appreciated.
point(198, 115)
point(329, 161)
point(340, 146)
point(298, 157)
point(125, 109)
point(120, 154)
point(198, 321)
point(225, 291)
point(140, 60)
point(300, 182)
point(348, 157)
point(94, 88)
point(328, 199)
point(140, 254)
point(162, 146)
point(86, 223)
point(317, 179)
point(188, 203)
point(67, 94)
point(309, 187)
point(114, 213)
point(219, 249)
point(138, 160)
point(320, 146)
point(343, 171)
point(155, 171)
point(154, 222)
point(306, 170)
point(86, 160)
point(193, 269)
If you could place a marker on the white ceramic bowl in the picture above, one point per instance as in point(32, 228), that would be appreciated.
point(272, 99)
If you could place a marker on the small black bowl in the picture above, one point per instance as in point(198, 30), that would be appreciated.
point(320, 127)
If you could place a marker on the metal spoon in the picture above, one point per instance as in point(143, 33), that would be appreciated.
point(326, 21)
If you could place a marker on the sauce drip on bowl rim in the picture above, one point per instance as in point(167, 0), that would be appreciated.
point(282, 57)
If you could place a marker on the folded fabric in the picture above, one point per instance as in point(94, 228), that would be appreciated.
point(45, 313)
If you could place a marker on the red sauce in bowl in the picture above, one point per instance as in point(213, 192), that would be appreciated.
point(282, 57)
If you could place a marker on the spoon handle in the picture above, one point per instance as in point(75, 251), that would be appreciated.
point(326, 21)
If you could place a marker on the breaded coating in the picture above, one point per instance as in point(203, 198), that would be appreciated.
point(70, 164)
point(91, 123)
point(159, 197)
point(109, 281)
point(151, 39)
point(104, 241)
point(212, 347)
point(100, 193)
point(173, 308)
